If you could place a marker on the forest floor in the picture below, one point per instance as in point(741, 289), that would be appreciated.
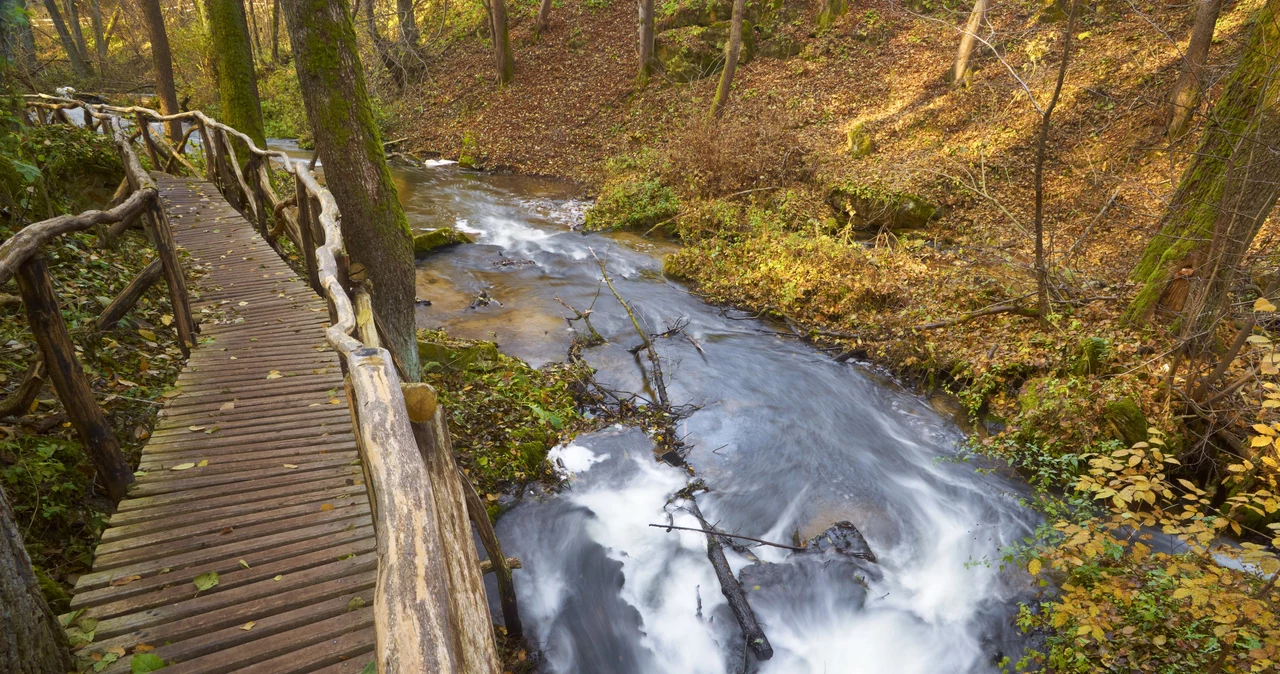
point(767, 203)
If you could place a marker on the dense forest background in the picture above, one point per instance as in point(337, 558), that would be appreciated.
point(1062, 219)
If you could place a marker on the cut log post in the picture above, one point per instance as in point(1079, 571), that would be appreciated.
point(307, 233)
point(226, 180)
point(19, 402)
point(162, 239)
point(732, 590)
point(68, 377)
point(467, 604)
point(366, 331)
point(129, 296)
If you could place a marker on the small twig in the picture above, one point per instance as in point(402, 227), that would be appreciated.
point(669, 527)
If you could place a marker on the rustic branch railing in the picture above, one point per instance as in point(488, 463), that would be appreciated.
point(430, 610)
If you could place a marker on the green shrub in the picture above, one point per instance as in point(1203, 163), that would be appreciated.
point(632, 205)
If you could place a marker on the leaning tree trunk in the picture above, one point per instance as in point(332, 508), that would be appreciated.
point(646, 42)
point(374, 226)
point(163, 60)
point(544, 18)
point(730, 60)
point(99, 34)
point(77, 34)
point(1185, 97)
point(237, 83)
point(31, 640)
point(1227, 190)
point(78, 64)
point(967, 41)
point(501, 35)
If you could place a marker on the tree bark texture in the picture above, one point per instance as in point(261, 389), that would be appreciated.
point(237, 83)
point(77, 32)
point(99, 33)
point(730, 60)
point(544, 18)
point(1185, 97)
point(967, 41)
point(503, 60)
point(68, 378)
point(1230, 186)
point(374, 226)
point(64, 36)
point(408, 25)
point(1042, 149)
point(646, 41)
point(162, 58)
point(251, 11)
point(382, 46)
point(275, 31)
point(31, 639)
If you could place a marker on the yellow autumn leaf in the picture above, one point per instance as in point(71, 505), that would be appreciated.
point(1159, 640)
point(1260, 441)
point(1034, 567)
point(1264, 429)
point(203, 463)
point(183, 466)
point(166, 319)
point(274, 374)
point(1263, 304)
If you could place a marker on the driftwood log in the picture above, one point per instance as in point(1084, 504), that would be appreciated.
point(732, 590)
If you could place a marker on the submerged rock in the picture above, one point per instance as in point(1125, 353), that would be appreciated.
point(437, 238)
point(842, 538)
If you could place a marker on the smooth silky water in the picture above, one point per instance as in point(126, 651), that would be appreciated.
point(787, 440)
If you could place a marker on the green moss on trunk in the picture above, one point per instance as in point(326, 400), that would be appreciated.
point(237, 83)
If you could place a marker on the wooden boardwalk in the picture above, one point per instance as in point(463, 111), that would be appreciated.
point(251, 473)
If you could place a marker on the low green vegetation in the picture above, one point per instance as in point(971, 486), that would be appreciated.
point(629, 204)
point(504, 416)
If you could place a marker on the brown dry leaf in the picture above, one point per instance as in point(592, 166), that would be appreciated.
point(125, 580)
point(227, 406)
point(143, 648)
point(118, 650)
point(248, 626)
point(326, 507)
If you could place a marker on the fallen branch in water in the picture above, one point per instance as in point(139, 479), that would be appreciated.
point(732, 589)
point(659, 384)
point(669, 527)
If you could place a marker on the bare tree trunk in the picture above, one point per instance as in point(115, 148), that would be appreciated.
point(1042, 148)
point(26, 40)
point(237, 81)
point(163, 60)
point(78, 64)
point(646, 42)
point(544, 18)
point(1228, 189)
point(967, 41)
point(501, 35)
point(408, 24)
point(1185, 97)
point(382, 46)
point(374, 226)
point(99, 34)
point(730, 60)
point(77, 34)
point(31, 640)
point(275, 31)
point(251, 10)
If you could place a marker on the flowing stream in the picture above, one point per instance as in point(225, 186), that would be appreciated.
point(788, 441)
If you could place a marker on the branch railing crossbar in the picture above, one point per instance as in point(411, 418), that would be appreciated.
point(430, 612)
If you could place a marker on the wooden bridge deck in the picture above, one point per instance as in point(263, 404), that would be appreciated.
point(251, 473)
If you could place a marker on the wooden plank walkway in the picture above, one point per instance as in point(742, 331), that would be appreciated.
point(251, 473)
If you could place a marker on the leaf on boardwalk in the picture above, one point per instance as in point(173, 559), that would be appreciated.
point(248, 626)
point(245, 564)
point(183, 466)
point(142, 663)
point(143, 648)
point(278, 578)
point(125, 580)
point(206, 581)
point(326, 507)
point(355, 604)
point(203, 463)
point(227, 406)
point(274, 374)
point(195, 428)
point(290, 465)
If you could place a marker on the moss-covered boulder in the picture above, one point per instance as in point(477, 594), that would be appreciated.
point(468, 156)
point(1125, 420)
point(831, 10)
point(694, 52)
point(455, 356)
point(858, 141)
point(437, 238)
point(868, 208)
point(1092, 356)
point(632, 204)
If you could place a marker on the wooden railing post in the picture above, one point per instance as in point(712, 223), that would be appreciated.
point(145, 129)
point(88, 119)
point(68, 377)
point(162, 239)
point(210, 164)
point(256, 197)
point(307, 232)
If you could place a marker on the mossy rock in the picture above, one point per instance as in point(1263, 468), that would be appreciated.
point(1092, 356)
point(632, 205)
point(1125, 420)
point(693, 52)
point(1052, 11)
point(456, 357)
point(858, 141)
point(437, 238)
point(865, 208)
point(833, 10)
